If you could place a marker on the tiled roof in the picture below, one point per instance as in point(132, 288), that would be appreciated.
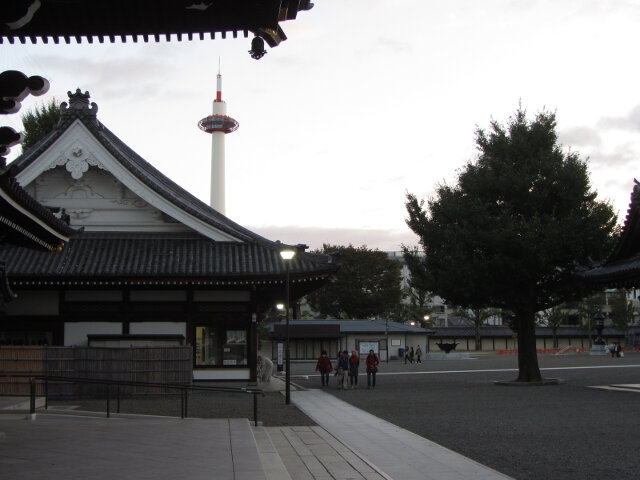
point(162, 257)
point(79, 109)
point(362, 326)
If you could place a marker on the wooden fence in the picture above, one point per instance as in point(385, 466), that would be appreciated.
point(172, 365)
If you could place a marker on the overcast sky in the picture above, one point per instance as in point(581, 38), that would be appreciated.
point(365, 101)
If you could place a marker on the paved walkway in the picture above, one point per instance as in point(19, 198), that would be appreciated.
point(77, 448)
point(387, 448)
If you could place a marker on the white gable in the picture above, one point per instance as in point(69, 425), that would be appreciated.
point(78, 174)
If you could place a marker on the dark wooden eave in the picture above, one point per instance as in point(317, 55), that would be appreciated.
point(25, 222)
point(622, 268)
point(108, 20)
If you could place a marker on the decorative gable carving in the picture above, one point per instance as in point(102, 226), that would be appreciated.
point(76, 159)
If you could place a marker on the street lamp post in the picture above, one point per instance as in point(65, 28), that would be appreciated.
point(386, 336)
point(287, 255)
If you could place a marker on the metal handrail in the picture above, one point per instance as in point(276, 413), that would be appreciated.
point(108, 382)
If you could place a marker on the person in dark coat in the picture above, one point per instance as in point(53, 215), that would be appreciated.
point(411, 355)
point(354, 366)
point(418, 354)
point(324, 367)
point(372, 368)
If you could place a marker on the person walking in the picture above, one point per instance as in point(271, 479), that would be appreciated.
point(418, 354)
point(324, 367)
point(372, 363)
point(354, 366)
point(343, 369)
point(411, 355)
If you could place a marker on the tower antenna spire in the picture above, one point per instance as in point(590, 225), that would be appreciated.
point(219, 84)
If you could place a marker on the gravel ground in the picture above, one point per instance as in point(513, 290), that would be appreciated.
point(565, 431)
point(272, 410)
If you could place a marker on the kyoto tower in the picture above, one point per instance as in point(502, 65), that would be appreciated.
point(218, 124)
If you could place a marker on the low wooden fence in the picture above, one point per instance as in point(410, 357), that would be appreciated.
point(168, 365)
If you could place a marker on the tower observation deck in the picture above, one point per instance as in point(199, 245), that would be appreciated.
point(218, 124)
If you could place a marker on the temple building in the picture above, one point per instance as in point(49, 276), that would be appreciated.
point(146, 261)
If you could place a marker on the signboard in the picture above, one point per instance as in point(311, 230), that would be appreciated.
point(366, 346)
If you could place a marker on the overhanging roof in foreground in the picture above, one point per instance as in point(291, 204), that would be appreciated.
point(25, 222)
point(106, 20)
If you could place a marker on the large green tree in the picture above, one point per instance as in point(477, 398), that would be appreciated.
point(39, 122)
point(418, 285)
point(368, 284)
point(514, 230)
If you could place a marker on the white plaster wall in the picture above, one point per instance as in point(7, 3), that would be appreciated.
point(221, 374)
point(158, 328)
point(75, 333)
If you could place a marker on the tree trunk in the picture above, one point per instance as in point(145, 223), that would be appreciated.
point(478, 338)
point(528, 369)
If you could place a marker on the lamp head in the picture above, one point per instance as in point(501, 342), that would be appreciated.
point(287, 254)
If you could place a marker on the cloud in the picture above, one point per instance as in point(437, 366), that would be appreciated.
point(631, 121)
point(394, 45)
point(580, 137)
point(621, 156)
point(122, 78)
point(315, 237)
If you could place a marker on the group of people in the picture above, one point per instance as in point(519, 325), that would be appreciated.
point(615, 350)
point(347, 369)
point(410, 355)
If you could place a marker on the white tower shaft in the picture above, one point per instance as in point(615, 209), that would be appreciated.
point(217, 194)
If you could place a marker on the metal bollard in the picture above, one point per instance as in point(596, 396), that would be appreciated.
point(255, 408)
point(32, 396)
point(108, 403)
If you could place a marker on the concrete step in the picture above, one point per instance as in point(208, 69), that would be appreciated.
point(310, 453)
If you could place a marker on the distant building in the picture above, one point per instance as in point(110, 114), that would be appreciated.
point(309, 337)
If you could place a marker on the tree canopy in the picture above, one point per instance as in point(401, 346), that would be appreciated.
point(368, 284)
point(515, 229)
point(39, 122)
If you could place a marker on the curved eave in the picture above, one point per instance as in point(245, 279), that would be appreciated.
point(147, 20)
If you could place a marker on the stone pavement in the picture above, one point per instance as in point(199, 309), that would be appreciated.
point(348, 444)
point(81, 447)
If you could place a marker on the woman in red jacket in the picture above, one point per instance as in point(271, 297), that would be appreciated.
point(324, 367)
point(372, 369)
